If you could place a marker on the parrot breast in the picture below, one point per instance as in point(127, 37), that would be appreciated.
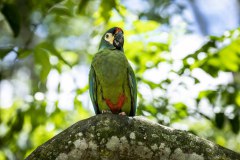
point(110, 67)
point(111, 71)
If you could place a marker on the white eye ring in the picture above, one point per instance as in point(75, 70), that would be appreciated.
point(107, 36)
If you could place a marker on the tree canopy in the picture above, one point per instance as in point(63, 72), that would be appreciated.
point(46, 49)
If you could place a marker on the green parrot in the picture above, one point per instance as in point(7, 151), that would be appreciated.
point(112, 83)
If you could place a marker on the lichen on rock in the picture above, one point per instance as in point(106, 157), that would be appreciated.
point(113, 143)
point(109, 136)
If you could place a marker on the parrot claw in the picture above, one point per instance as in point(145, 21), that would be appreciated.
point(106, 111)
point(122, 113)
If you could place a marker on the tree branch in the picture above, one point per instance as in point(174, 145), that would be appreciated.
point(109, 136)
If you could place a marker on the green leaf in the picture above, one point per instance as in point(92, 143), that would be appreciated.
point(237, 99)
point(18, 123)
point(66, 8)
point(219, 120)
point(106, 8)
point(23, 53)
point(4, 51)
point(235, 124)
point(180, 106)
point(60, 10)
point(70, 57)
point(42, 58)
point(207, 93)
point(215, 62)
point(196, 80)
point(82, 6)
point(51, 49)
point(151, 109)
point(221, 140)
point(229, 59)
point(12, 15)
point(181, 109)
point(145, 26)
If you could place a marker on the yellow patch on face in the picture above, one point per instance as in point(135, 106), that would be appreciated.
point(109, 37)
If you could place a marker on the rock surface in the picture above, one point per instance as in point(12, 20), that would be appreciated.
point(109, 136)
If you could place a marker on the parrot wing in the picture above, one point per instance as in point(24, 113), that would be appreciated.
point(133, 90)
point(93, 89)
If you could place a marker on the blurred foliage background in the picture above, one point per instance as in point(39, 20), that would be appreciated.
point(185, 55)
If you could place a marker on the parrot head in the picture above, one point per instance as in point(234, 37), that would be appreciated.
point(113, 39)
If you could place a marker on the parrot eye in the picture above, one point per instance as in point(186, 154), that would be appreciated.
point(109, 37)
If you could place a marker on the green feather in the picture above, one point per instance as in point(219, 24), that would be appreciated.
point(133, 89)
point(92, 89)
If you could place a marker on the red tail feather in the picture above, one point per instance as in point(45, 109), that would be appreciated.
point(115, 108)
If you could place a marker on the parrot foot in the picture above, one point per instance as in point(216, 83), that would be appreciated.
point(106, 111)
point(122, 113)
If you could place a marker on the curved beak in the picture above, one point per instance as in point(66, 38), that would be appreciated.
point(118, 39)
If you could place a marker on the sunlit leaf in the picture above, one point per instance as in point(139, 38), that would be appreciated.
point(180, 106)
point(145, 26)
point(117, 24)
point(229, 59)
point(206, 93)
point(70, 57)
point(181, 110)
point(237, 100)
point(215, 62)
point(58, 118)
point(81, 111)
point(41, 135)
point(220, 140)
point(151, 109)
point(2, 155)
